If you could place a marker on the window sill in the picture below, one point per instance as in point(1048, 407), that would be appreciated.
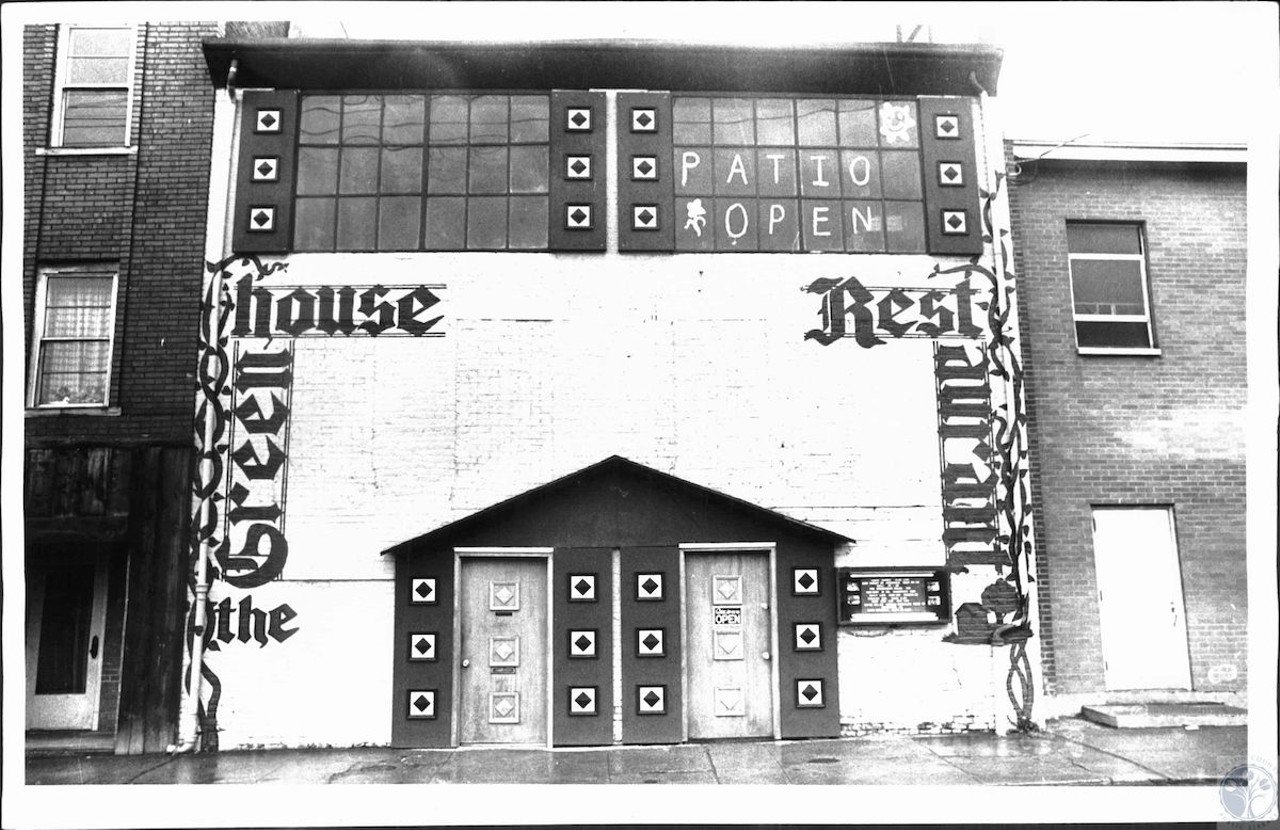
point(48, 411)
point(86, 151)
point(1096, 350)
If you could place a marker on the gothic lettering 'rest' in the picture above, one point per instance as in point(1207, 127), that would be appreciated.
point(850, 309)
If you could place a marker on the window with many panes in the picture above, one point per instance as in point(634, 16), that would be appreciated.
point(1109, 293)
point(422, 172)
point(71, 351)
point(94, 77)
point(829, 174)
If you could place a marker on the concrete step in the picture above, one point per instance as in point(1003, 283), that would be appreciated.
point(1140, 715)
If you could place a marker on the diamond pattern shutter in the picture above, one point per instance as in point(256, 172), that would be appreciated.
point(582, 600)
point(645, 190)
point(422, 670)
point(264, 178)
point(575, 221)
point(952, 204)
point(652, 704)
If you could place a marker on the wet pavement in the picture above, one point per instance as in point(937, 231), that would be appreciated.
point(1069, 751)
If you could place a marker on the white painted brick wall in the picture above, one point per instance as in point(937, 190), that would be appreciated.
point(694, 364)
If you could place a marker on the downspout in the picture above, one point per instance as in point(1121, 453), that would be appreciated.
point(189, 730)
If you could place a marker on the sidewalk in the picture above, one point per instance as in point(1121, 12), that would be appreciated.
point(1069, 751)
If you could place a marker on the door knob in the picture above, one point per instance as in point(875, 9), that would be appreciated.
point(93, 647)
point(764, 654)
point(466, 663)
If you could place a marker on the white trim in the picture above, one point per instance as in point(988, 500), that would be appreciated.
point(1112, 318)
point(60, 85)
point(776, 669)
point(504, 551)
point(82, 409)
point(129, 150)
point(684, 651)
point(726, 547)
point(1026, 150)
point(455, 732)
point(549, 656)
point(1102, 350)
point(38, 339)
point(1108, 257)
point(615, 624)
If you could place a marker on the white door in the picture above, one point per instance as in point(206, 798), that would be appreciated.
point(1144, 634)
point(66, 615)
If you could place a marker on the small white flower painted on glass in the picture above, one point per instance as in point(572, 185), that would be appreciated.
point(896, 123)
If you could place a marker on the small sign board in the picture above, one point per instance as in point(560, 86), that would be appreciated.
point(893, 596)
point(728, 615)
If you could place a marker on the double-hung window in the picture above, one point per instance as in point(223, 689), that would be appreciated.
point(94, 79)
point(71, 346)
point(1109, 292)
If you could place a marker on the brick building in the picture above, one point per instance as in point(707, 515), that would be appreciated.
point(116, 150)
point(1137, 416)
point(606, 392)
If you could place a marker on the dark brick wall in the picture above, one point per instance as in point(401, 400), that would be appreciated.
point(1143, 431)
point(145, 211)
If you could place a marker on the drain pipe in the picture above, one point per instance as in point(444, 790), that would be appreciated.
point(189, 730)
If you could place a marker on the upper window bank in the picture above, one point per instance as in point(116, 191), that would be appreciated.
point(451, 171)
point(414, 172)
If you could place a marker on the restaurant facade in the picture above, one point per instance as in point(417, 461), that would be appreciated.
point(596, 393)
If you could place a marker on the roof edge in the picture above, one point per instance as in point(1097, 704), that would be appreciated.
point(1167, 152)
point(676, 65)
point(617, 460)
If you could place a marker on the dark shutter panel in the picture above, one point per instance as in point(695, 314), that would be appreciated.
point(809, 705)
point(422, 652)
point(645, 189)
point(576, 220)
point(952, 206)
point(264, 179)
point(582, 599)
point(652, 698)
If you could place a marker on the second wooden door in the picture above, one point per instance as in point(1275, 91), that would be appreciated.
point(730, 676)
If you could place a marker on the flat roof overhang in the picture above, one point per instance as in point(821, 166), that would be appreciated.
point(857, 69)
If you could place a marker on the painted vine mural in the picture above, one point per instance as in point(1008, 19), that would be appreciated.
point(987, 517)
point(244, 402)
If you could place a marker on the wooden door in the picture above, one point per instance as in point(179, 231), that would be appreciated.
point(1144, 635)
point(504, 653)
point(66, 616)
point(729, 646)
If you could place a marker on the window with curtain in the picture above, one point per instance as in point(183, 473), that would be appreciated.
point(92, 98)
point(74, 321)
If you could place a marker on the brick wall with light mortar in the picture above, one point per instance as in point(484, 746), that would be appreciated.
point(1114, 430)
point(145, 211)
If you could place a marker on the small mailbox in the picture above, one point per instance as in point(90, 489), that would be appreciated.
point(897, 596)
